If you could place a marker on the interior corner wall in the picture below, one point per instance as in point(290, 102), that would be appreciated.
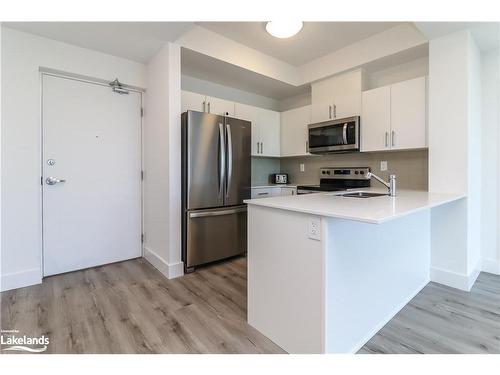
point(22, 56)
point(162, 158)
point(454, 158)
point(490, 86)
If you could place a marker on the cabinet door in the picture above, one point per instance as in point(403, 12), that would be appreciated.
point(294, 131)
point(250, 113)
point(220, 107)
point(269, 131)
point(191, 101)
point(288, 191)
point(322, 110)
point(347, 105)
point(408, 114)
point(376, 119)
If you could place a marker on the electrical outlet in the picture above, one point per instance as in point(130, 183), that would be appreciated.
point(383, 165)
point(314, 228)
point(302, 167)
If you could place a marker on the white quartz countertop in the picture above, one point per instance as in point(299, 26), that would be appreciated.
point(374, 210)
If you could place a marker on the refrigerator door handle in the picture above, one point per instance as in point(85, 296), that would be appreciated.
point(229, 158)
point(222, 160)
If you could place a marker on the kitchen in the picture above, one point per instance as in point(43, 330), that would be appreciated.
point(300, 198)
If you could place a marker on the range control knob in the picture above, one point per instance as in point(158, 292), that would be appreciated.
point(362, 172)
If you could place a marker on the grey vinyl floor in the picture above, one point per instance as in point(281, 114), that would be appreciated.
point(129, 307)
point(445, 320)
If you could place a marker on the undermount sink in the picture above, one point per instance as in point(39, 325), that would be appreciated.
point(363, 194)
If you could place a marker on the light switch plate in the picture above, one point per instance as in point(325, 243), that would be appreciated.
point(383, 165)
point(302, 167)
point(314, 228)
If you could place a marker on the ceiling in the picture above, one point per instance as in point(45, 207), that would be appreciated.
point(315, 40)
point(204, 67)
point(137, 41)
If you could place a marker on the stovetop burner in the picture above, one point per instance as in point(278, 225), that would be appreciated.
point(338, 179)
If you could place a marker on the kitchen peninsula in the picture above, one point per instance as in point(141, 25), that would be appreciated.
point(326, 272)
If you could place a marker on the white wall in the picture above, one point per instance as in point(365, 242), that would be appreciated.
point(22, 55)
point(162, 162)
point(398, 73)
point(204, 87)
point(454, 157)
point(386, 43)
point(490, 144)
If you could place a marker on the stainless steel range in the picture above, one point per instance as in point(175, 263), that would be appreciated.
point(338, 179)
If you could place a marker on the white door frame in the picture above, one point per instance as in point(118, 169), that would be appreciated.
point(97, 81)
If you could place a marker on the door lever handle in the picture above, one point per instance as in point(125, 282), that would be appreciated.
point(53, 181)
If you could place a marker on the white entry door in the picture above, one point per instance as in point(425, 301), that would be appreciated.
point(92, 153)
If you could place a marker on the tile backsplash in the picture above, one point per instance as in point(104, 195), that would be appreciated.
point(262, 168)
point(410, 167)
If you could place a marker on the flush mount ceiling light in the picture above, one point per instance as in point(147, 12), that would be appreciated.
point(283, 29)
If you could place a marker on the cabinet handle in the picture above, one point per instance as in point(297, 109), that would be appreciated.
point(262, 193)
point(307, 147)
point(393, 138)
point(204, 106)
point(335, 111)
point(257, 147)
point(329, 111)
point(386, 139)
point(208, 107)
point(261, 147)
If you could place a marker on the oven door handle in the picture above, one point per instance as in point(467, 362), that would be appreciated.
point(344, 134)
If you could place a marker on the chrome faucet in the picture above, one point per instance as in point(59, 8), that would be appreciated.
point(391, 185)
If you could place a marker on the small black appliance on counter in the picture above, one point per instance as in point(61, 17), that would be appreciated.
point(279, 178)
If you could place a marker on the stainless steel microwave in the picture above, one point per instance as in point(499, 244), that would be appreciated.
point(340, 135)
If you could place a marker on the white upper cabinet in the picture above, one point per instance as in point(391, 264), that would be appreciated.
point(394, 117)
point(376, 119)
point(220, 106)
point(294, 131)
point(265, 129)
point(408, 114)
point(337, 97)
point(269, 130)
point(201, 103)
point(250, 113)
point(191, 101)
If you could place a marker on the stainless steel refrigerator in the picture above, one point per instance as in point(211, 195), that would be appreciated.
point(216, 172)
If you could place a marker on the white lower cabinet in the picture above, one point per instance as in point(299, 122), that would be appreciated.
point(288, 191)
point(294, 131)
point(394, 117)
point(273, 191)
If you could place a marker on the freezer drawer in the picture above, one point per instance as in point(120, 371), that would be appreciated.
point(215, 234)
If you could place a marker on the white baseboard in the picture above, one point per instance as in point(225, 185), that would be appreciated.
point(454, 279)
point(169, 270)
point(20, 279)
point(491, 266)
point(386, 320)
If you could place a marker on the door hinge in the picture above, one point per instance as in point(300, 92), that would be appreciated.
point(142, 111)
point(142, 175)
point(142, 238)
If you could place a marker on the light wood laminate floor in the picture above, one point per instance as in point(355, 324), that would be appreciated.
point(129, 307)
point(445, 320)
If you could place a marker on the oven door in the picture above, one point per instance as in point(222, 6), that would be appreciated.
point(334, 136)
